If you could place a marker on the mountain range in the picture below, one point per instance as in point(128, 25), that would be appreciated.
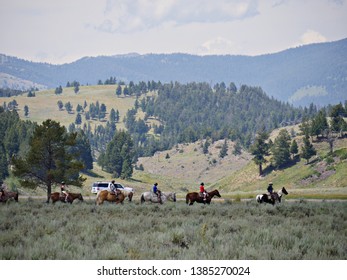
point(315, 73)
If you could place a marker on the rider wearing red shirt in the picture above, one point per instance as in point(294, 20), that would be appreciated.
point(202, 191)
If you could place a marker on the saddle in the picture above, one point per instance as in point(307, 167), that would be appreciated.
point(116, 192)
point(203, 196)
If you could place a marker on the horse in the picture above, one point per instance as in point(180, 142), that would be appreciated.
point(196, 197)
point(9, 195)
point(151, 197)
point(56, 196)
point(273, 199)
point(110, 197)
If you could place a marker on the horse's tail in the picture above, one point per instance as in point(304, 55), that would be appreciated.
point(16, 196)
point(97, 198)
point(142, 198)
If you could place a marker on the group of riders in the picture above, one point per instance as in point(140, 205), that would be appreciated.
point(115, 191)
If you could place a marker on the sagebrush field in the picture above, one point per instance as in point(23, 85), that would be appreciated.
point(301, 230)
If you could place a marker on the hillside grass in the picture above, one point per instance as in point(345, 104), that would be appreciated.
point(44, 105)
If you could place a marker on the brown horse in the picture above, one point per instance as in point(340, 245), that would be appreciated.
point(56, 196)
point(9, 195)
point(196, 197)
point(106, 195)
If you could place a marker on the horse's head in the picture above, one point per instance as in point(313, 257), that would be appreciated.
point(215, 193)
point(284, 191)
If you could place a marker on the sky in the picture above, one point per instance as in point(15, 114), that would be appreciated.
point(62, 31)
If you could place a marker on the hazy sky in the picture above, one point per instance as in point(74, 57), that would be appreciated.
point(65, 30)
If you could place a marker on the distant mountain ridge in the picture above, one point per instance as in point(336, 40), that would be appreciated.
point(312, 73)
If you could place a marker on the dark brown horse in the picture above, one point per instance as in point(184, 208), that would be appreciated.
point(9, 195)
point(196, 197)
point(106, 195)
point(56, 196)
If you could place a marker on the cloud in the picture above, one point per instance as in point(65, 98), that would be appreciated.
point(311, 36)
point(218, 45)
point(134, 15)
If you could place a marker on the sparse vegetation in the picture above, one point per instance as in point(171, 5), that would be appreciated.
point(32, 230)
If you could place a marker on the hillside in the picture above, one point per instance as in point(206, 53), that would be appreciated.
point(312, 73)
point(184, 166)
point(237, 176)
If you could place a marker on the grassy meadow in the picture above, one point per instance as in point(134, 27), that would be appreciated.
point(301, 230)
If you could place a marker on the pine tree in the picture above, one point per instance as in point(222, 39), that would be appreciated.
point(237, 148)
point(307, 149)
point(294, 148)
point(224, 151)
point(260, 149)
point(48, 161)
point(280, 149)
point(119, 154)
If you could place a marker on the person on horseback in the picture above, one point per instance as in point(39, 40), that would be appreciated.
point(2, 190)
point(113, 188)
point(63, 191)
point(270, 190)
point(203, 193)
point(157, 191)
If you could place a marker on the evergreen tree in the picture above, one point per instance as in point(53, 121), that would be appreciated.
point(78, 119)
point(60, 105)
point(83, 151)
point(48, 161)
point(119, 91)
point(319, 124)
point(76, 88)
point(224, 151)
point(294, 148)
point(337, 123)
point(260, 149)
point(205, 147)
point(280, 149)
point(119, 154)
point(237, 148)
point(112, 115)
point(307, 149)
point(26, 111)
point(68, 107)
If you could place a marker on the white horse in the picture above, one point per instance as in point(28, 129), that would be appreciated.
point(275, 197)
point(152, 197)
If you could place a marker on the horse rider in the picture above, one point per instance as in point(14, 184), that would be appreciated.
point(113, 188)
point(157, 191)
point(270, 189)
point(63, 191)
point(203, 193)
point(2, 190)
